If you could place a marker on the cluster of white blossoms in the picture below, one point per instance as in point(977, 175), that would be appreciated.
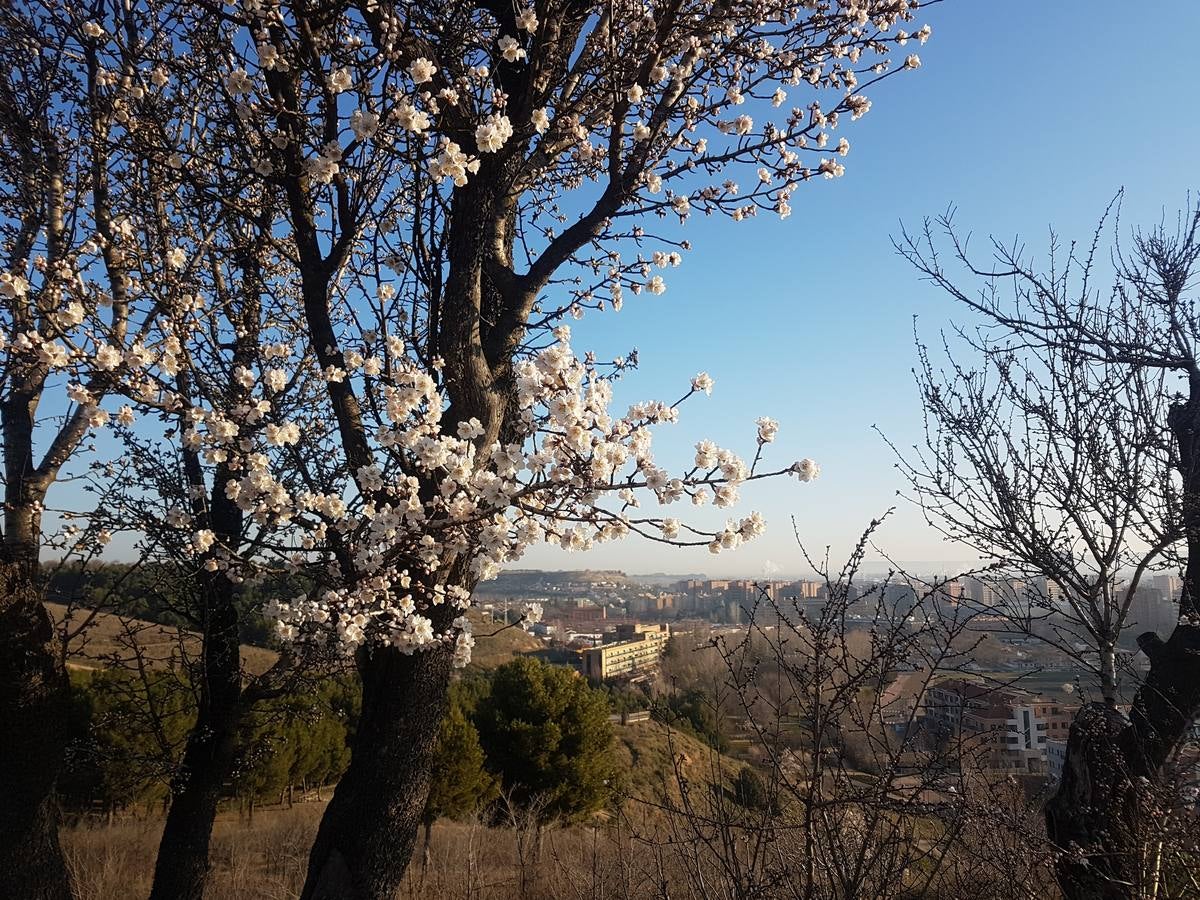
point(493, 133)
point(658, 116)
point(452, 163)
point(382, 608)
point(573, 478)
point(571, 475)
point(693, 82)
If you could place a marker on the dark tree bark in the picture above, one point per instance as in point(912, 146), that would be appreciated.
point(182, 867)
point(33, 696)
point(181, 870)
point(34, 689)
point(369, 830)
point(1097, 817)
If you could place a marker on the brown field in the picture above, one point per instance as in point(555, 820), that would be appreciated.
point(95, 640)
point(264, 857)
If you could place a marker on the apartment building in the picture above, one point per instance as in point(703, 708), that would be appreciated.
point(636, 648)
point(1009, 729)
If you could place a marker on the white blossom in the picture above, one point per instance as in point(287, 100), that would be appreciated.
point(203, 540)
point(238, 83)
point(527, 20)
point(510, 49)
point(806, 470)
point(493, 133)
point(421, 70)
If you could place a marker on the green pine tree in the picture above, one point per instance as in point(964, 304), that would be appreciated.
point(546, 732)
point(461, 785)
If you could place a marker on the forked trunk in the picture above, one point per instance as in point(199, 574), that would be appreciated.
point(1099, 816)
point(369, 830)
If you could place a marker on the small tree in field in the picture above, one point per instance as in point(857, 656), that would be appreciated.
point(546, 732)
point(750, 791)
point(1080, 465)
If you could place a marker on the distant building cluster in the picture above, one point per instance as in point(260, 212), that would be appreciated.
point(1011, 730)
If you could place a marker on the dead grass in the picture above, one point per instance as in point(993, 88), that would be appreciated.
point(649, 754)
point(496, 645)
point(98, 640)
point(266, 860)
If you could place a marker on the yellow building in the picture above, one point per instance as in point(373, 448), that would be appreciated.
point(637, 649)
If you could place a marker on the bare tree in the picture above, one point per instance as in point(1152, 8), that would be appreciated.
point(858, 797)
point(1068, 451)
point(1055, 467)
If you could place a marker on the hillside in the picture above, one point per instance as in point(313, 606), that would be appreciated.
point(648, 752)
point(494, 647)
point(530, 582)
point(97, 639)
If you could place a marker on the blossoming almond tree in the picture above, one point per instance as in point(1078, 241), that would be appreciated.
point(208, 497)
point(126, 286)
point(458, 181)
point(69, 316)
point(211, 420)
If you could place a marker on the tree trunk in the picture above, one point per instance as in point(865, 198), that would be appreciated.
point(181, 871)
point(33, 695)
point(427, 847)
point(369, 830)
point(1096, 817)
point(34, 688)
point(182, 867)
point(1108, 671)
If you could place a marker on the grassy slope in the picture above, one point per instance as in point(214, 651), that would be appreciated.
point(494, 647)
point(647, 752)
point(106, 637)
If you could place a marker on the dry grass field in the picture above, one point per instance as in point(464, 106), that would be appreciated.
point(95, 640)
point(264, 858)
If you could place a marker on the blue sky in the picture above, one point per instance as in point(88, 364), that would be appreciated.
point(1025, 114)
